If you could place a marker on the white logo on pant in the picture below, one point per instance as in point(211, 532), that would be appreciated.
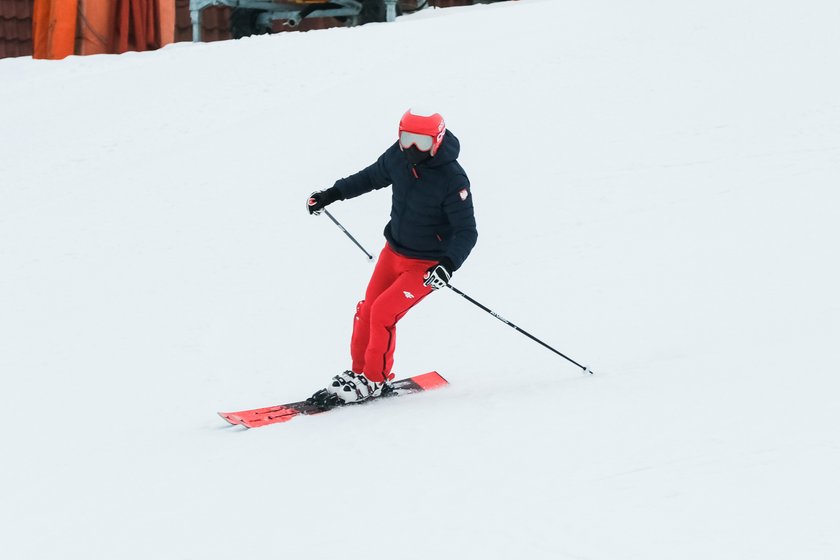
point(408, 295)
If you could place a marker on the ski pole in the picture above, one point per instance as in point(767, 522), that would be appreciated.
point(508, 323)
point(347, 233)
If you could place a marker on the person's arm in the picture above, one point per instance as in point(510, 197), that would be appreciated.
point(459, 210)
point(458, 206)
point(374, 176)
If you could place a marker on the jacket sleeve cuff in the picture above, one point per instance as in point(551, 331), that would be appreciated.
point(334, 193)
point(447, 263)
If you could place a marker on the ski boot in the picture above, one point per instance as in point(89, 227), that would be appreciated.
point(348, 388)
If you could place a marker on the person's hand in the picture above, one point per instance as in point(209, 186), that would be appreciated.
point(319, 199)
point(438, 276)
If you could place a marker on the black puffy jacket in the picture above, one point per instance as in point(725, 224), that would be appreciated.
point(431, 204)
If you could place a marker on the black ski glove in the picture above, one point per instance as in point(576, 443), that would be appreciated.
point(438, 276)
point(319, 199)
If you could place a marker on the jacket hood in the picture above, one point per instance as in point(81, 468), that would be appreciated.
point(448, 151)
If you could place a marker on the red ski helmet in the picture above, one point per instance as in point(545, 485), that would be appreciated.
point(424, 130)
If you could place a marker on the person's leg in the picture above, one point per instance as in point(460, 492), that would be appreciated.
point(383, 313)
point(384, 274)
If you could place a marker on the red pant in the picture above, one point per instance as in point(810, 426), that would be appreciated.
point(395, 287)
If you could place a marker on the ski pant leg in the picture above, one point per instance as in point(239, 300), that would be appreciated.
point(377, 317)
point(384, 274)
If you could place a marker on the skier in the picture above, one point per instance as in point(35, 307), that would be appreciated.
point(430, 235)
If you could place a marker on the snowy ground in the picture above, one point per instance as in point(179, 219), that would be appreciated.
point(656, 190)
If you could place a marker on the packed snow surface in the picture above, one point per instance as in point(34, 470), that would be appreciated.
point(656, 188)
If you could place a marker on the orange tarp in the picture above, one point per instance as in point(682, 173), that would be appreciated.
point(96, 23)
point(135, 26)
point(104, 26)
point(109, 27)
point(54, 28)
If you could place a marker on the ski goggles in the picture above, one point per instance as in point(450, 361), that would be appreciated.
point(422, 141)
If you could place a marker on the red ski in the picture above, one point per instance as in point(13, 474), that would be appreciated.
point(257, 417)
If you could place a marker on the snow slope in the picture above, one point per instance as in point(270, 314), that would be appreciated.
point(656, 191)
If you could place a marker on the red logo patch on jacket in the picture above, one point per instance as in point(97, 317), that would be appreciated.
point(464, 193)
